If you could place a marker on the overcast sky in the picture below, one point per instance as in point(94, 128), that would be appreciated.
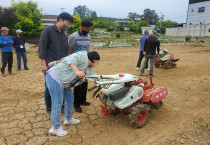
point(175, 10)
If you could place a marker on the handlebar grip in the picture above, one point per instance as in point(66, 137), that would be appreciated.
point(90, 89)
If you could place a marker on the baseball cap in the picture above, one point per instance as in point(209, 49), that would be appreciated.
point(4, 28)
point(19, 30)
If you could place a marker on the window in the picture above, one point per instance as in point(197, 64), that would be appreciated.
point(201, 9)
point(190, 23)
point(192, 10)
point(200, 23)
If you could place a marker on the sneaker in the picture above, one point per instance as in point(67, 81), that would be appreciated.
point(147, 68)
point(137, 68)
point(78, 109)
point(85, 103)
point(72, 121)
point(58, 132)
point(18, 69)
point(3, 75)
point(48, 114)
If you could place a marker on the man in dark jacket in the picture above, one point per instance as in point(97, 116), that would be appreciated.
point(150, 49)
point(19, 44)
point(54, 46)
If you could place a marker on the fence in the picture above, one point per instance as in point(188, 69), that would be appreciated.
point(196, 30)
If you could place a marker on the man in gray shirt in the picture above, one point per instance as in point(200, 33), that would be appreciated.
point(53, 46)
point(80, 41)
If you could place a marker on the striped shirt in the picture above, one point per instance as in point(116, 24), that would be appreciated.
point(79, 42)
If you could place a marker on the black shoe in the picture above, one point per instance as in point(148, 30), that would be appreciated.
point(11, 73)
point(78, 109)
point(62, 109)
point(86, 103)
point(150, 75)
point(26, 68)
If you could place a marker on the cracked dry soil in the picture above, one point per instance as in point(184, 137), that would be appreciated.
point(183, 118)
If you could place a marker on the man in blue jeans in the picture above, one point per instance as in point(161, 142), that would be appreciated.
point(19, 44)
point(53, 46)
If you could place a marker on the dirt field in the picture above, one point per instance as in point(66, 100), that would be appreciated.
point(183, 119)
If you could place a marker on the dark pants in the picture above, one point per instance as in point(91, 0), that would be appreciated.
point(7, 58)
point(80, 94)
point(19, 55)
point(141, 56)
point(47, 96)
point(152, 62)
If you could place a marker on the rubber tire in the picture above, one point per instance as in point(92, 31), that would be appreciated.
point(174, 65)
point(168, 64)
point(157, 105)
point(157, 65)
point(137, 121)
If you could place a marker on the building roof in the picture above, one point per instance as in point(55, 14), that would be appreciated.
point(150, 27)
point(50, 17)
point(197, 1)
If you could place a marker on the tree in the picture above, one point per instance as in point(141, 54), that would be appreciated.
point(150, 16)
point(83, 11)
point(93, 15)
point(6, 21)
point(164, 25)
point(29, 18)
point(76, 25)
point(133, 16)
point(133, 27)
point(141, 24)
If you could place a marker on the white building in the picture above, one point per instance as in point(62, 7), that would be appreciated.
point(49, 19)
point(198, 12)
point(150, 28)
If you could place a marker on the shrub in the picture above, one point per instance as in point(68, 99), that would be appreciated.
point(118, 35)
point(187, 38)
point(209, 30)
point(110, 28)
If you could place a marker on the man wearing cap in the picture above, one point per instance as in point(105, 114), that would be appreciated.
point(19, 44)
point(6, 49)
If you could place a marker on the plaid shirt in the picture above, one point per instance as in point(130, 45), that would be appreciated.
point(79, 42)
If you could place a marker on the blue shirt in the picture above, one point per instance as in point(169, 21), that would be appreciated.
point(142, 41)
point(6, 42)
point(79, 42)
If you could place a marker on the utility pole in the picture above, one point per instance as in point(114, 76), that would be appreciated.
point(62, 9)
point(160, 19)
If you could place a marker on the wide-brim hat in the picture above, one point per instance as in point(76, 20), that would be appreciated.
point(4, 28)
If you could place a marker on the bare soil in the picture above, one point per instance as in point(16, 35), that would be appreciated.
point(183, 119)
